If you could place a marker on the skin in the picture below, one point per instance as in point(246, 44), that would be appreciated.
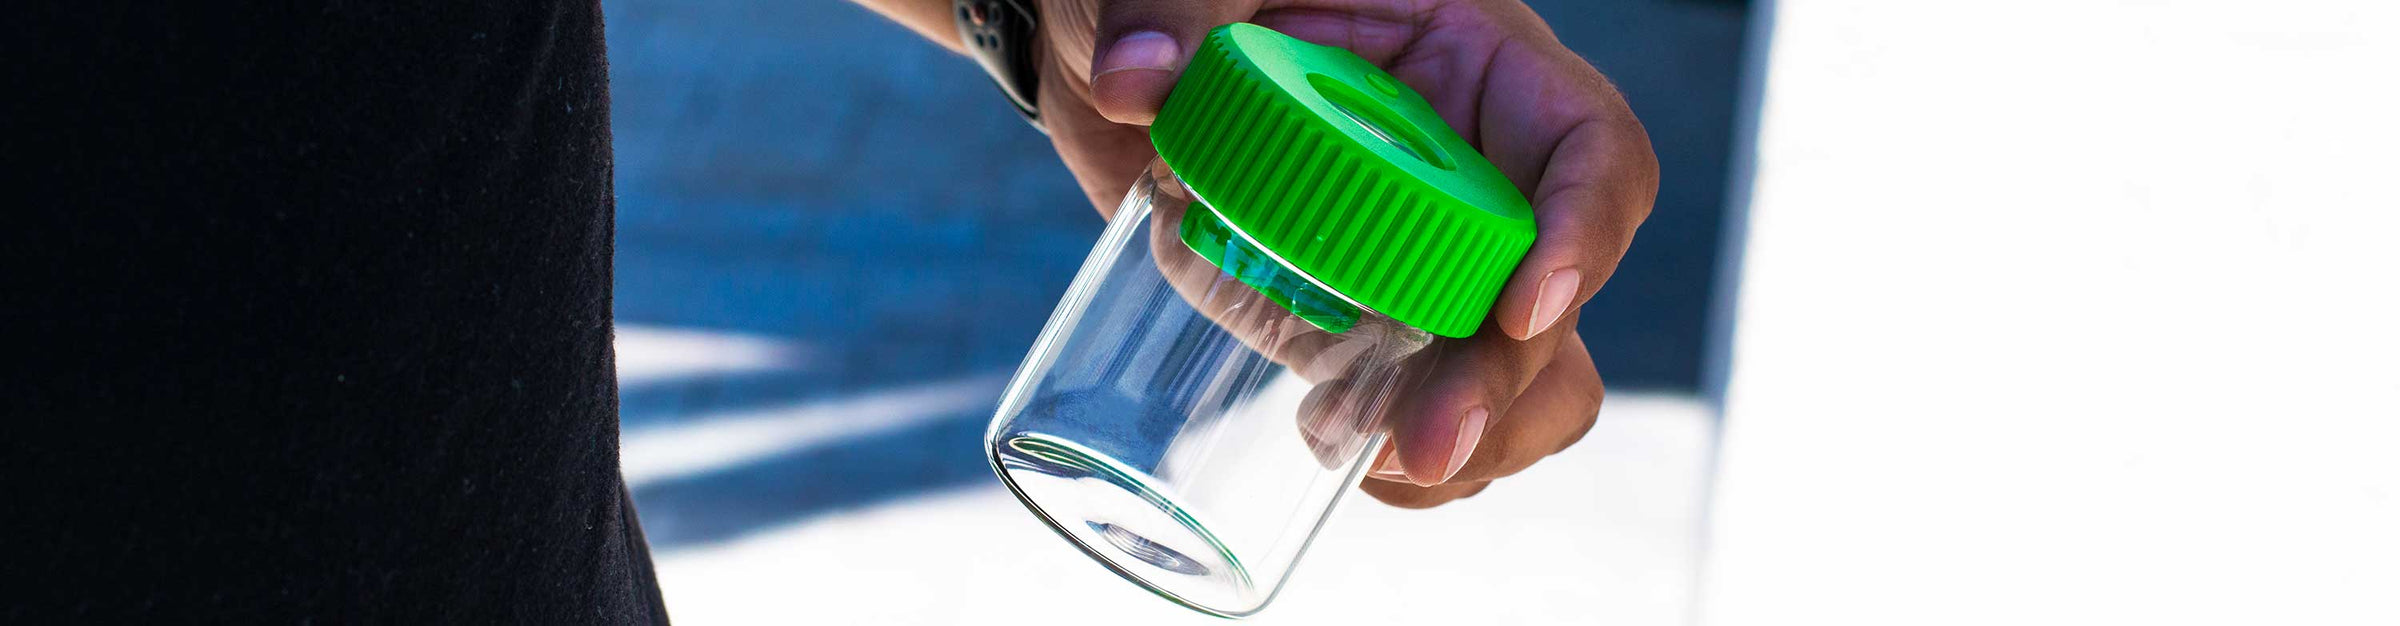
point(1550, 121)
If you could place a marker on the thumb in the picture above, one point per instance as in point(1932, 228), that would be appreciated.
point(1143, 46)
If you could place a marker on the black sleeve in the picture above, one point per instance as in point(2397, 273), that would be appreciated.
point(304, 316)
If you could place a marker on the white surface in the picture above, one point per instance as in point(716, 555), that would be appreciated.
point(689, 448)
point(2069, 311)
point(661, 354)
point(1602, 534)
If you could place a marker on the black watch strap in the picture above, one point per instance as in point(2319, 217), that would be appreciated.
point(1001, 35)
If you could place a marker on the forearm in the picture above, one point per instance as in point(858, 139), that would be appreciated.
point(930, 18)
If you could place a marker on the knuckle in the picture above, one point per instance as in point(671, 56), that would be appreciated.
point(1591, 397)
point(1582, 427)
point(1513, 364)
point(1640, 198)
point(1500, 456)
point(1495, 457)
point(1587, 414)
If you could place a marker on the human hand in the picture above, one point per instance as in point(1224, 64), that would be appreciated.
point(1523, 387)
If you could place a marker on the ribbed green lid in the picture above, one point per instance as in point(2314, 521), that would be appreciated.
point(1351, 177)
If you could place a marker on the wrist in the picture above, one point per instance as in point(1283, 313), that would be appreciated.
point(928, 18)
point(1003, 37)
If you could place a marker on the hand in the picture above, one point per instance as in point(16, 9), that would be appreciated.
point(1523, 387)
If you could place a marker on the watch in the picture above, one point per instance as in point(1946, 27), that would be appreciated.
point(1001, 35)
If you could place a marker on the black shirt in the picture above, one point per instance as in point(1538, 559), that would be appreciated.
point(304, 316)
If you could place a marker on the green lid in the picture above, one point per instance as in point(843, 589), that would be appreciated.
point(1336, 168)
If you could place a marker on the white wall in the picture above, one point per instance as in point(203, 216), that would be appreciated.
point(2069, 311)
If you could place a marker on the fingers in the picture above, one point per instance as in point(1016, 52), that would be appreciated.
point(1556, 409)
point(1103, 155)
point(1329, 424)
point(1142, 47)
point(1559, 130)
point(1597, 190)
point(1375, 31)
point(1437, 424)
point(1554, 412)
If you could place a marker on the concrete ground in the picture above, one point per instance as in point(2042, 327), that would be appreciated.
point(1602, 534)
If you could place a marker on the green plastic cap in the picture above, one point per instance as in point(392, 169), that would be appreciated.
point(1336, 168)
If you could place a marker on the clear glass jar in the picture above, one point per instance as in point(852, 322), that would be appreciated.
point(1220, 371)
point(1183, 426)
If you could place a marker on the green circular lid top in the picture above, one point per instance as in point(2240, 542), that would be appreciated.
point(1346, 174)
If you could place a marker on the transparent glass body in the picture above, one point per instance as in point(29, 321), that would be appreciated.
point(1191, 424)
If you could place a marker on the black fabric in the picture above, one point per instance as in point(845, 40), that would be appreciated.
point(304, 316)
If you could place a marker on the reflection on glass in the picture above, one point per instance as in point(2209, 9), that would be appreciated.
point(1190, 420)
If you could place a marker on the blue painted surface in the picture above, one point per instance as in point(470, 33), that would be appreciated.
point(806, 170)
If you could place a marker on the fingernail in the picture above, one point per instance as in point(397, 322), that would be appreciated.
point(1142, 50)
point(1390, 469)
point(1470, 430)
point(1557, 290)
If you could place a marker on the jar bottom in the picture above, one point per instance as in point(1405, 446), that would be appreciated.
point(1126, 519)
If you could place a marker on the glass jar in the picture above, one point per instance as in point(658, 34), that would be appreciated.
point(1219, 372)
